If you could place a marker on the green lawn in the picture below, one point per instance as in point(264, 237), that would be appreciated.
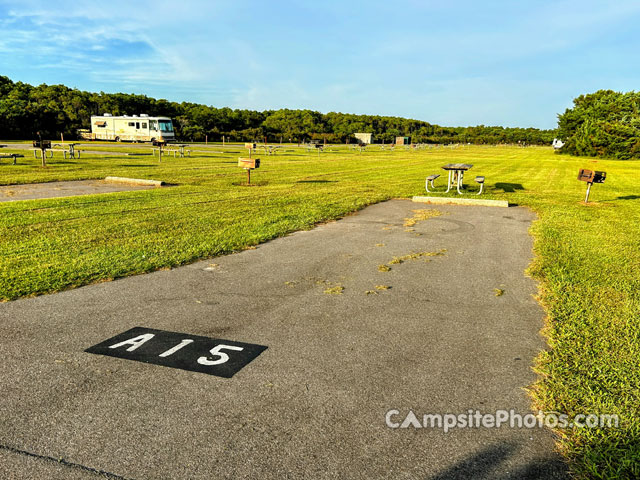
point(587, 257)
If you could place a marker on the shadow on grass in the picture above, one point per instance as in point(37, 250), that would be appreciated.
point(629, 197)
point(259, 183)
point(140, 165)
point(317, 181)
point(509, 187)
point(481, 465)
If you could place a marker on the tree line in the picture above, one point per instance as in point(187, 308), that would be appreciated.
point(604, 123)
point(57, 109)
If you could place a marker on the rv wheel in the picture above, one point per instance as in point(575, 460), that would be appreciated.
point(117, 139)
point(153, 139)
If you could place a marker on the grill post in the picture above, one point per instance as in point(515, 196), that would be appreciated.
point(586, 199)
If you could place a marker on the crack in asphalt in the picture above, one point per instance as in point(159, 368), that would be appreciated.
point(62, 461)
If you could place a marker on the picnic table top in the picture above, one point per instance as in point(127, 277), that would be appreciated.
point(457, 166)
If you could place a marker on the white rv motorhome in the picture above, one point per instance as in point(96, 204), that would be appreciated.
point(133, 128)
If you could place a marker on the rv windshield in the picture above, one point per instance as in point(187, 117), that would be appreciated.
point(165, 125)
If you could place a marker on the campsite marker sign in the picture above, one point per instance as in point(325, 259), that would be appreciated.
point(249, 163)
point(222, 358)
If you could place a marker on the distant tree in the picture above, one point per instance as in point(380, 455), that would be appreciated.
point(56, 109)
point(604, 123)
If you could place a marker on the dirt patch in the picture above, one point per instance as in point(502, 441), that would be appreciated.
point(31, 191)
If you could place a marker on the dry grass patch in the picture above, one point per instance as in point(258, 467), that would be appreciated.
point(415, 256)
point(420, 215)
point(335, 290)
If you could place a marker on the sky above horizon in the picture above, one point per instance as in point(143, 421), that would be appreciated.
point(464, 63)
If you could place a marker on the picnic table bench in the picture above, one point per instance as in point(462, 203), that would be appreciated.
point(11, 155)
point(430, 180)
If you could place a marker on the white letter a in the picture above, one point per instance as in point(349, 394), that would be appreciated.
point(410, 419)
point(135, 342)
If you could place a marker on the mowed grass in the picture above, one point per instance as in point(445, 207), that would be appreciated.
point(587, 257)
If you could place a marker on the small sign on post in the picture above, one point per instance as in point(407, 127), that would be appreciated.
point(591, 177)
point(249, 164)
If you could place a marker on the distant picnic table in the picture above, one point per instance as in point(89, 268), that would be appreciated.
point(71, 149)
point(11, 155)
point(271, 149)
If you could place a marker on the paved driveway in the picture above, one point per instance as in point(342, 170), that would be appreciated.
point(455, 330)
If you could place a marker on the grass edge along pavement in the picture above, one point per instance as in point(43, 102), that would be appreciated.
point(587, 258)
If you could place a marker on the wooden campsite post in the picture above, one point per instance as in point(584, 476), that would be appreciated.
point(249, 163)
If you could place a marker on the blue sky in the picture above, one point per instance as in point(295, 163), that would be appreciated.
point(457, 63)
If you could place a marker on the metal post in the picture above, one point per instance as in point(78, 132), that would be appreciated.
point(586, 199)
point(248, 176)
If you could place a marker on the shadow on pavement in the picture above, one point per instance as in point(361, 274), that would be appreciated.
point(482, 465)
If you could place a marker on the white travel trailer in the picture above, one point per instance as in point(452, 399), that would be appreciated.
point(133, 128)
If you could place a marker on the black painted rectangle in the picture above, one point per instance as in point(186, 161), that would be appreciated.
point(223, 358)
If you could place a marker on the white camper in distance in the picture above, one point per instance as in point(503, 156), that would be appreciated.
point(133, 128)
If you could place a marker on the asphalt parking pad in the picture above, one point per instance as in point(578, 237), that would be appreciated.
point(449, 326)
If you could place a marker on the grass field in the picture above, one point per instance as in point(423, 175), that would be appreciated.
point(587, 257)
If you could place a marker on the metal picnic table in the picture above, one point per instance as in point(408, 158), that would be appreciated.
point(456, 174)
point(72, 149)
point(271, 149)
point(14, 156)
point(181, 148)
